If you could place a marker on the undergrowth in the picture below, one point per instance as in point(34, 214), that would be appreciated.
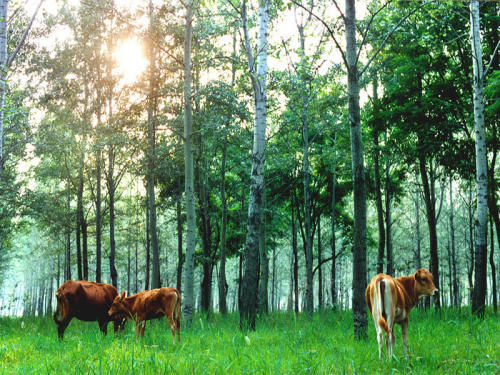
point(448, 342)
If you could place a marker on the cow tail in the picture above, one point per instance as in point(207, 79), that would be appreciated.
point(61, 304)
point(379, 295)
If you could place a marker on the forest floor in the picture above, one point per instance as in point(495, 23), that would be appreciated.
point(449, 342)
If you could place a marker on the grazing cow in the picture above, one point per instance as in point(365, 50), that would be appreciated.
point(87, 301)
point(391, 300)
point(150, 304)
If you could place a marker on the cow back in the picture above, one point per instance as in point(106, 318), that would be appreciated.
point(87, 300)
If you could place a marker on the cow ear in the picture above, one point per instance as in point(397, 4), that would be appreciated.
point(122, 296)
point(417, 275)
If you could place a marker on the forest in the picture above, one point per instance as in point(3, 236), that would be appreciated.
point(262, 157)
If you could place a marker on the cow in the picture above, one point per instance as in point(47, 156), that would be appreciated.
point(390, 301)
point(87, 301)
point(147, 305)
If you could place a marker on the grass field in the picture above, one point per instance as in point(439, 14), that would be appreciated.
point(450, 342)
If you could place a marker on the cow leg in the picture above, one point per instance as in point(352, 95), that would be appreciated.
point(404, 334)
point(173, 328)
point(61, 327)
point(103, 326)
point(119, 325)
point(380, 340)
point(390, 337)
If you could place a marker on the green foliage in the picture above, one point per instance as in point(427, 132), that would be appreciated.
point(450, 342)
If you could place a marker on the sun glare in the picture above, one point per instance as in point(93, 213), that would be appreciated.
point(130, 60)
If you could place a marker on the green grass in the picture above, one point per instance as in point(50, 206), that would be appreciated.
point(450, 342)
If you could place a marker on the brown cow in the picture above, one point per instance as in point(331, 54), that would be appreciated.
point(391, 300)
point(150, 304)
point(87, 301)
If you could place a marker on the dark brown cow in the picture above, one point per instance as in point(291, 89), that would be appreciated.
point(150, 304)
point(87, 301)
point(391, 300)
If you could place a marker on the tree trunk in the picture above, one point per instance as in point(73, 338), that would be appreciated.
point(79, 220)
point(333, 285)
point(112, 243)
point(470, 270)
point(295, 259)
point(388, 214)
point(98, 219)
point(378, 187)
point(4, 5)
point(493, 269)
point(222, 269)
point(189, 301)
point(85, 248)
point(148, 245)
point(264, 263)
point(479, 295)
point(431, 219)
point(67, 259)
point(259, 83)
point(418, 254)
point(320, 272)
point(180, 254)
point(358, 177)
point(453, 249)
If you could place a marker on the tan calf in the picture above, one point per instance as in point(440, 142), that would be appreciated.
point(390, 301)
point(149, 304)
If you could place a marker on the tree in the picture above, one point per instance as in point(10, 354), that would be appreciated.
point(189, 176)
point(479, 294)
point(258, 75)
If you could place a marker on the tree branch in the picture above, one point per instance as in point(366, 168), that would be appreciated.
point(388, 35)
point(23, 37)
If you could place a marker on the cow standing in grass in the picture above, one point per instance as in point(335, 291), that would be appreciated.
point(147, 305)
point(87, 301)
point(390, 301)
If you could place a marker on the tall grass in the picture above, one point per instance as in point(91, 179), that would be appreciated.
point(449, 342)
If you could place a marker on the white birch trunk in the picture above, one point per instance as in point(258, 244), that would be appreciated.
point(259, 83)
point(4, 5)
point(189, 301)
point(478, 303)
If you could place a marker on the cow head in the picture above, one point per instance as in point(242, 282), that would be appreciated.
point(424, 283)
point(119, 308)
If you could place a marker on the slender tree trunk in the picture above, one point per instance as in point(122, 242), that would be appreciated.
point(155, 277)
point(378, 187)
point(358, 177)
point(136, 288)
point(418, 260)
point(493, 269)
point(189, 301)
point(67, 260)
point(431, 220)
point(85, 248)
point(259, 83)
point(222, 270)
point(479, 295)
point(79, 219)
point(264, 263)
point(333, 285)
point(112, 243)
point(148, 245)
point(180, 255)
point(470, 270)
point(295, 259)
point(98, 219)
point(388, 214)
point(4, 5)
point(320, 272)
point(453, 249)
